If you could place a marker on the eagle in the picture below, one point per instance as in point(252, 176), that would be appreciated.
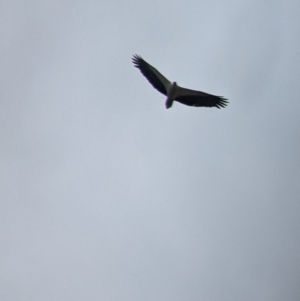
point(173, 91)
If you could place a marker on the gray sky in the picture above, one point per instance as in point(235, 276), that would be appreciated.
point(106, 195)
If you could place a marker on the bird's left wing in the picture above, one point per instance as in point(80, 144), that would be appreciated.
point(156, 79)
point(199, 99)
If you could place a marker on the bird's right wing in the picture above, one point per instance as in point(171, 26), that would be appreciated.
point(155, 78)
point(199, 99)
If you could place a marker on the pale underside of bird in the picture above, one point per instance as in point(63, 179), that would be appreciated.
point(173, 91)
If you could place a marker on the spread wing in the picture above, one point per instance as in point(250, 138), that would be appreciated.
point(199, 99)
point(155, 78)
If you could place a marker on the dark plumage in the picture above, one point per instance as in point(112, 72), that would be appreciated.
point(173, 91)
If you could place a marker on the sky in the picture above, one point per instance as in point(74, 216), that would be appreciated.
point(106, 195)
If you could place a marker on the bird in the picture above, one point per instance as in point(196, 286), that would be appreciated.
point(173, 91)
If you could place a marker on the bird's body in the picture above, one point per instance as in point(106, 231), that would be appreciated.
point(171, 94)
point(174, 92)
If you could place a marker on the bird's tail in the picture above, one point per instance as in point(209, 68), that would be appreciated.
point(169, 103)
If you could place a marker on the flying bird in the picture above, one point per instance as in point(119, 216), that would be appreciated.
point(173, 91)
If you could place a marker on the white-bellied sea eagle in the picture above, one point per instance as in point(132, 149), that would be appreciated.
point(174, 92)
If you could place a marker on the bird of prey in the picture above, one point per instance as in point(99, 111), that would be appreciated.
point(173, 91)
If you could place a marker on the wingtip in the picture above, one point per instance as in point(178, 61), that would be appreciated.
point(136, 58)
point(222, 102)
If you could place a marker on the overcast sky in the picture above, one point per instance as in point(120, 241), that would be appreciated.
point(106, 195)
